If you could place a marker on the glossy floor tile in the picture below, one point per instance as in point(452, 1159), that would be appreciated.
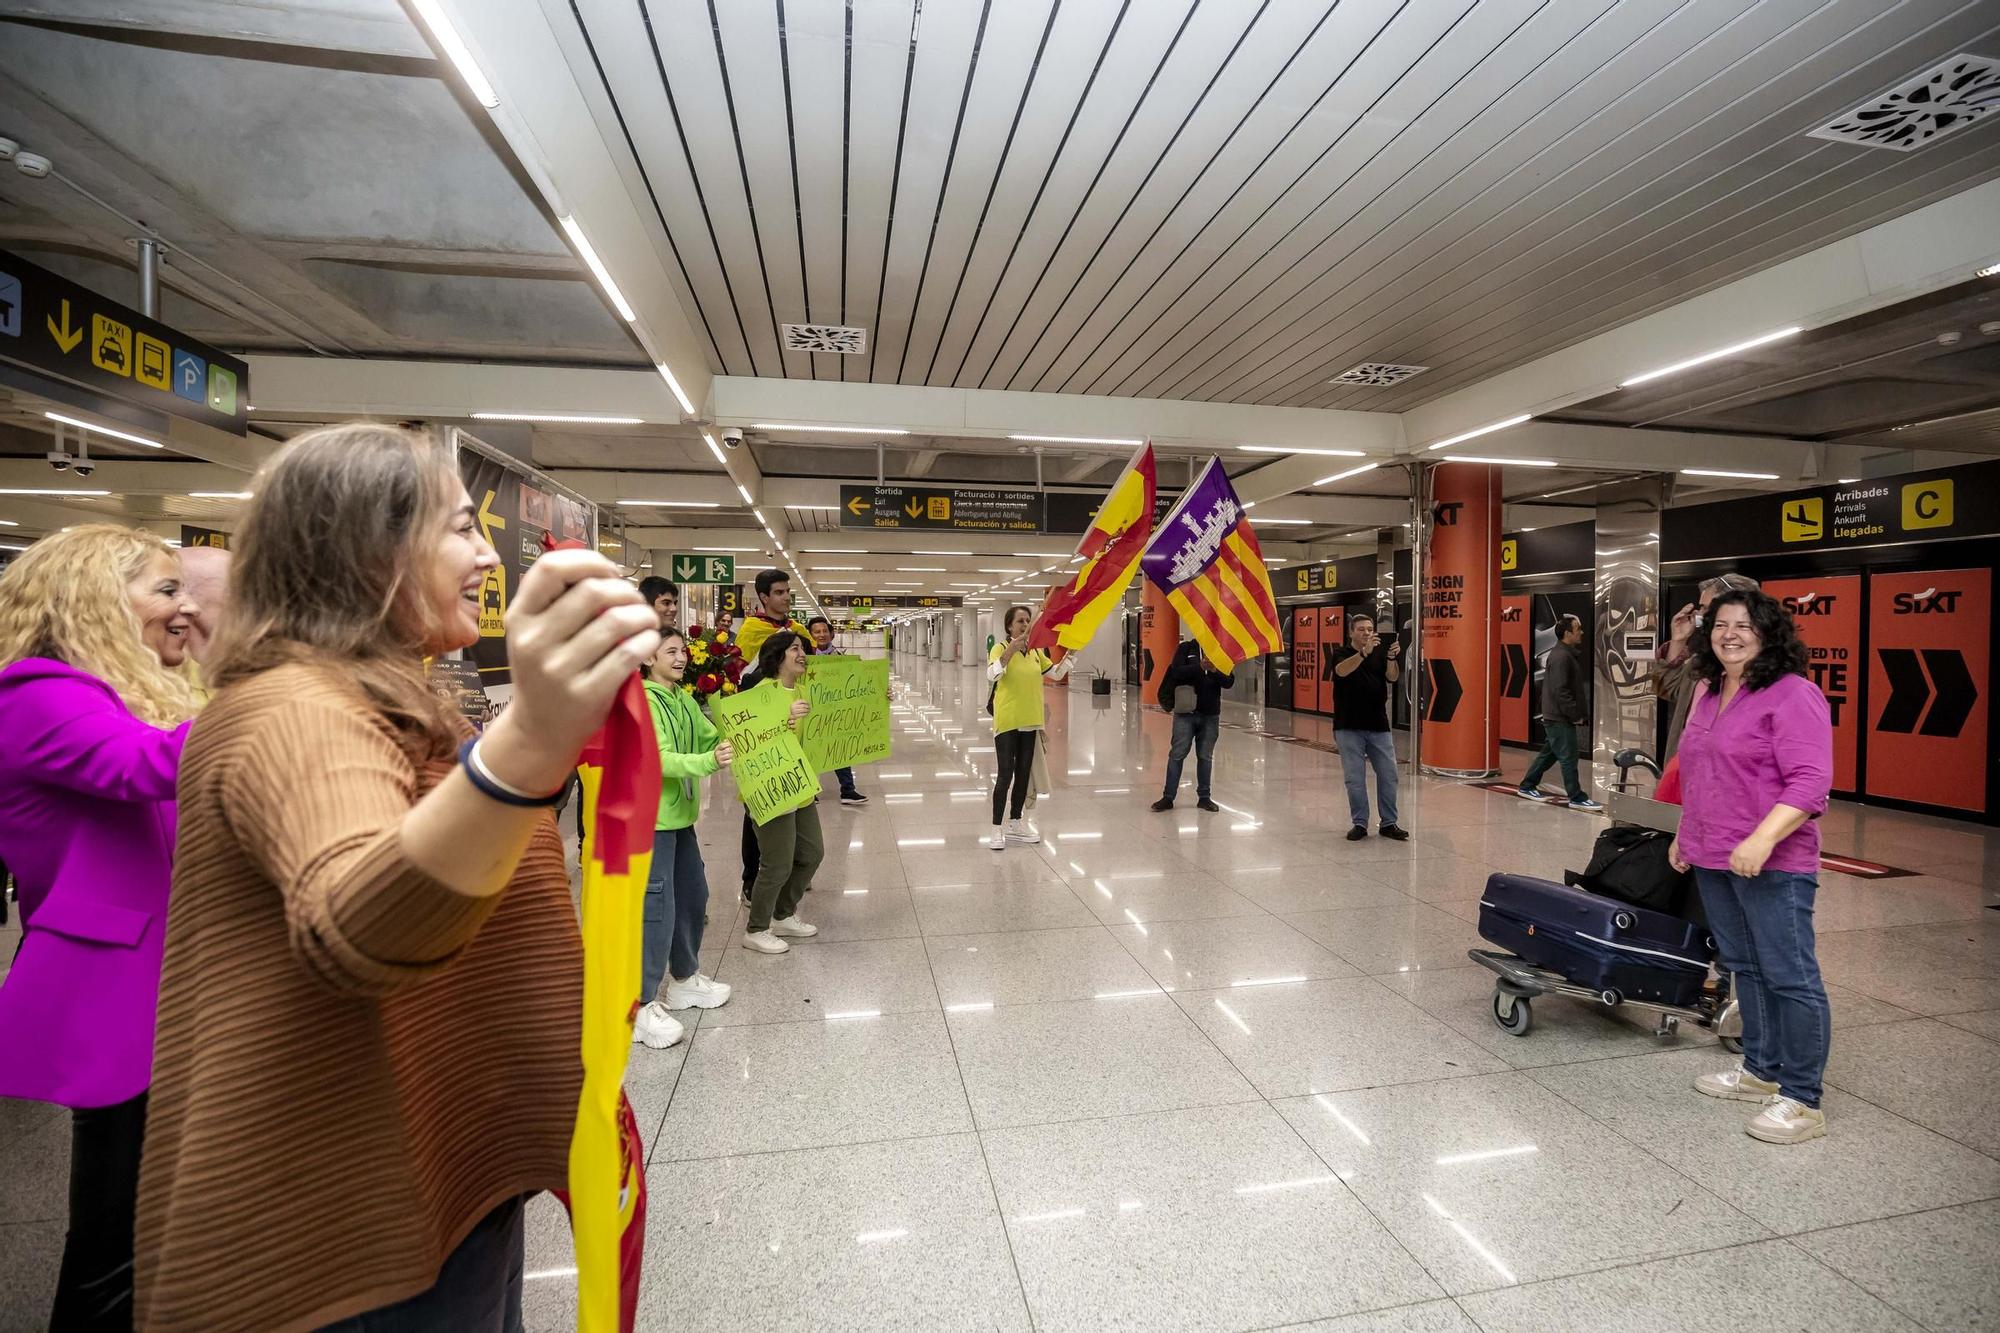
point(1228, 1071)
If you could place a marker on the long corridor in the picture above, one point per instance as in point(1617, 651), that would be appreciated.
point(1229, 1071)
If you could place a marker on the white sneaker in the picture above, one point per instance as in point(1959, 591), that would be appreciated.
point(1786, 1121)
point(697, 992)
point(1019, 831)
point(656, 1027)
point(763, 941)
point(1738, 1085)
point(795, 928)
point(998, 842)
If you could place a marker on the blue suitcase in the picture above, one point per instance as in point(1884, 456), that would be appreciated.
point(1600, 943)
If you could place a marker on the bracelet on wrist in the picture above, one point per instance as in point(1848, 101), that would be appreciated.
point(494, 789)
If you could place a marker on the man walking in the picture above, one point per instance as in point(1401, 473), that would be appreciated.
point(1563, 712)
point(1363, 671)
point(1195, 725)
point(821, 630)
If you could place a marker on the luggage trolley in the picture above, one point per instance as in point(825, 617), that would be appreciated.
point(1517, 982)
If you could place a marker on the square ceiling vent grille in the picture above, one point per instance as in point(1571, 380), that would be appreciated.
point(1920, 110)
point(825, 338)
point(1377, 374)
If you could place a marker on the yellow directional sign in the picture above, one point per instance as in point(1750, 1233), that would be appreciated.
point(110, 345)
point(858, 506)
point(152, 362)
point(66, 337)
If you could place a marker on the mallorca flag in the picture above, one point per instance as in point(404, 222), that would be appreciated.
point(1110, 550)
point(620, 769)
point(1205, 558)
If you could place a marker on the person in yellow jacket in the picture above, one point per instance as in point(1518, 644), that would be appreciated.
point(677, 890)
point(1017, 672)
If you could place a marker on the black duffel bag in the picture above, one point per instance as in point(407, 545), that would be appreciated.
point(1630, 864)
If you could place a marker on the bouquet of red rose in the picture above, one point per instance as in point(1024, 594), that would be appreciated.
point(714, 665)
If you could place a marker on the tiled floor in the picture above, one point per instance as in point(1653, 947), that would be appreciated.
point(1228, 1071)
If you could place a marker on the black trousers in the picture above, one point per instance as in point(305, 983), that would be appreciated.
point(1015, 753)
point(94, 1286)
point(752, 857)
point(477, 1291)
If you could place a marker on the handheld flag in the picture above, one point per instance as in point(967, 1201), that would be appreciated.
point(620, 769)
point(1078, 604)
point(1205, 558)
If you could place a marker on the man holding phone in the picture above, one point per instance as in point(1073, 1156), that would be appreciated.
point(1362, 674)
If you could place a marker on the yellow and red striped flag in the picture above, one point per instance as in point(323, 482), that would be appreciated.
point(1078, 603)
point(1205, 558)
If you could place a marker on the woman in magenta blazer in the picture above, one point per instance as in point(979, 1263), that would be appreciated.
point(92, 716)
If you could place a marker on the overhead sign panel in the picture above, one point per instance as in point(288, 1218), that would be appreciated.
point(940, 508)
point(694, 567)
point(878, 602)
point(1948, 504)
point(51, 325)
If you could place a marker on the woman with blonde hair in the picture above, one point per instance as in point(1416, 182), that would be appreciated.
point(93, 624)
point(368, 1036)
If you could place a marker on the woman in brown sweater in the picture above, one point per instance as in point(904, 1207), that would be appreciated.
point(367, 1043)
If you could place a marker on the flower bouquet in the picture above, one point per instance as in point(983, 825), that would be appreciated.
point(714, 666)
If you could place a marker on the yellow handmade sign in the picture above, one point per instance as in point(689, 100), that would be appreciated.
point(849, 721)
point(771, 772)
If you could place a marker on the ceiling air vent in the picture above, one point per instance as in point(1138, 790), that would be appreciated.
point(1943, 99)
point(825, 338)
point(1377, 374)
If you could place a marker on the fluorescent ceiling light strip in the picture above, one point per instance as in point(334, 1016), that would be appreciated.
point(728, 550)
point(1484, 430)
point(1317, 453)
point(744, 491)
point(827, 430)
point(1724, 472)
point(1990, 271)
point(707, 439)
point(1500, 462)
point(680, 396)
point(603, 274)
point(458, 53)
point(1073, 439)
point(579, 419)
point(1343, 476)
point(1707, 357)
point(964, 553)
point(218, 495)
point(96, 429)
point(671, 504)
point(49, 490)
point(1291, 522)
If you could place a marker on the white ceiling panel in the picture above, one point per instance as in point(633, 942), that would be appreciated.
point(1235, 201)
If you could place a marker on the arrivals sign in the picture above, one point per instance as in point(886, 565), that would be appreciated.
point(1945, 505)
point(1930, 657)
point(849, 721)
point(940, 508)
point(51, 325)
point(1827, 612)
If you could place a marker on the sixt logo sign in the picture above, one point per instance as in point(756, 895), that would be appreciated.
point(1811, 604)
point(1931, 601)
point(1509, 613)
point(1445, 513)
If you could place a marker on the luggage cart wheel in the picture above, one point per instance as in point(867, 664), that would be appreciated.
point(1512, 1013)
point(1734, 1045)
point(1669, 1025)
point(1611, 997)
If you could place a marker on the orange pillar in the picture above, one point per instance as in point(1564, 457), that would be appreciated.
point(1461, 613)
point(1159, 636)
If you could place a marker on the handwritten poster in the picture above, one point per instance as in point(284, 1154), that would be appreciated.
point(771, 772)
point(849, 721)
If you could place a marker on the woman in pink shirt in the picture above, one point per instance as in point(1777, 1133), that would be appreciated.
point(1756, 761)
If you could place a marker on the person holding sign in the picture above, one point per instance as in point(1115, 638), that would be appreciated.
point(677, 888)
point(1016, 671)
point(821, 630)
point(789, 847)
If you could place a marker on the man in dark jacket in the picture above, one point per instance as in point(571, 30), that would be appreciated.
point(1563, 711)
point(1197, 728)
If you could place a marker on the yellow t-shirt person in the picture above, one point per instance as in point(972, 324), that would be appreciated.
point(1017, 690)
point(758, 628)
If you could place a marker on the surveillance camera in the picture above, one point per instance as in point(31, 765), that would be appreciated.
point(732, 437)
point(32, 164)
point(84, 467)
point(59, 459)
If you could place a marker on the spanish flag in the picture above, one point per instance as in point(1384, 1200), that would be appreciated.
point(1205, 558)
point(620, 770)
point(1110, 550)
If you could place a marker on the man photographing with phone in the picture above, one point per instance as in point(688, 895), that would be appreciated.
point(1362, 674)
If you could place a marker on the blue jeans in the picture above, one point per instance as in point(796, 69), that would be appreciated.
point(1558, 747)
point(1199, 731)
point(1763, 930)
point(845, 776)
point(676, 898)
point(1358, 750)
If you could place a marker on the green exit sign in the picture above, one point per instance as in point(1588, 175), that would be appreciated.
point(693, 567)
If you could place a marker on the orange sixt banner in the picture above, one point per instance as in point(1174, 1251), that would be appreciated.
point(1305, 659)
point(1929, 659)
point(1517, 668)
point(1828, 614)
point(1461, 613)
point(1332, 636)
point(1159, 636)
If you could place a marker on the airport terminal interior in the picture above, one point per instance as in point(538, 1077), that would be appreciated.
point(1491, 338)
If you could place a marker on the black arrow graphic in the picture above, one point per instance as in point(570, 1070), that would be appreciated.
point(1908, 690)
point(1956, 694)
point(1513, 670)
point(1444, 701)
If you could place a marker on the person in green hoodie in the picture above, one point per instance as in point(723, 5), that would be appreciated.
point(677, 889)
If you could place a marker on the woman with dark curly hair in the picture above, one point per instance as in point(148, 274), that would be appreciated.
point(1756, 764)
